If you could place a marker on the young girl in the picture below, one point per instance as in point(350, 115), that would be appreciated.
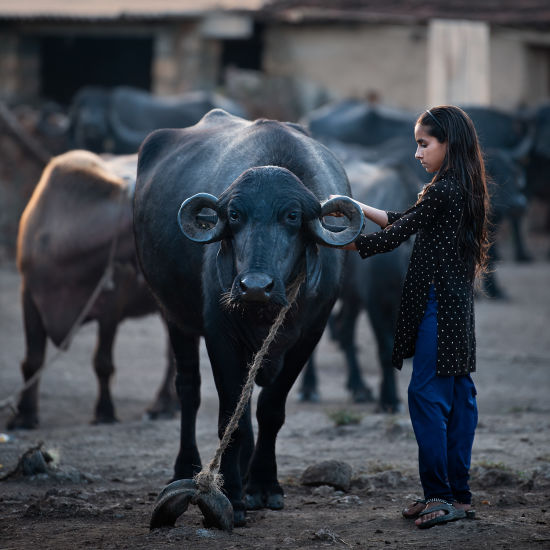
point(436, 317)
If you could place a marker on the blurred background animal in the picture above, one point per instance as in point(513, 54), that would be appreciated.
point(77, 225)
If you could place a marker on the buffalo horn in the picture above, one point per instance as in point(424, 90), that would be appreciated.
point(331, 236)
point(216, 509)
point(191, 224)
point(172, 502)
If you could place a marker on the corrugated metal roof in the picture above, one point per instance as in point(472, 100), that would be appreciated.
point(118, 9)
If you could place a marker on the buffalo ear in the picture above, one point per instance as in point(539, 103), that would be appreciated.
point(313, 269)
point(225, 265)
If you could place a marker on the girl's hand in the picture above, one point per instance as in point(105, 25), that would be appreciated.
point(337, 214)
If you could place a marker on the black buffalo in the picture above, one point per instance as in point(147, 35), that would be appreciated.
point(81, 205)
point(538, 163)
point(252, 197)
point(507, 139)
point(117, 120)
point(359, 122)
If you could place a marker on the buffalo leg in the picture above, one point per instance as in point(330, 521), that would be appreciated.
point(229, 376)
point(383, 328)
point(188, 385)
point(522, 255)
point(263, 489)
point(342, 327)
point(26, 416)
point(309, 391)
point(104, 369)
point(166, 403)
point(491, 286)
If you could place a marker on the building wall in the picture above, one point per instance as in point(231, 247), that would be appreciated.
point(353, 60)
point(508, 70)
point(458, 62)
point(183, 60)
point(392, 60)
point(19, 67)
point(520, 64)
point(346, 60)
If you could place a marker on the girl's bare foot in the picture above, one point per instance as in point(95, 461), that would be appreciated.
point(433, 515)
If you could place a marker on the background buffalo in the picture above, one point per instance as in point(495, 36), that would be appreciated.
point(75, 233)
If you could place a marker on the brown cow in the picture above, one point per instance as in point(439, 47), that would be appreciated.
point(81, 204)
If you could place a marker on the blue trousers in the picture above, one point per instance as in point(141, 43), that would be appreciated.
point(443, 412)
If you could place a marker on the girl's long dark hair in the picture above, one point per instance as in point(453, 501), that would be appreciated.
point(464, 160)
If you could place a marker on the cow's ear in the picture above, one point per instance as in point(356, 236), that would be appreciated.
point(225, 265)
point(313, 269)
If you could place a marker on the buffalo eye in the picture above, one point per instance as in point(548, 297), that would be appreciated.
point(292, 216)
point(234, 215)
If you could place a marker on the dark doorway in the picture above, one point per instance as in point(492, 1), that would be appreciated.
point(244, 54)
point(69, 63)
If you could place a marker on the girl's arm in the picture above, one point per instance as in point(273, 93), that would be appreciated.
point(423, 214)
point(379, 217)
point(402, 225)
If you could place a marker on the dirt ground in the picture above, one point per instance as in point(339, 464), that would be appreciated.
point(105, 478)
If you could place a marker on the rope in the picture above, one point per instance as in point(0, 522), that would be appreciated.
point(209, 479)
point(106, 278)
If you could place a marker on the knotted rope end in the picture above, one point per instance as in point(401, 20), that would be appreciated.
point(208, 481)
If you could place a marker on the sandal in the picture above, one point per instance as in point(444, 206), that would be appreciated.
point(451, 513)
point(416, 514)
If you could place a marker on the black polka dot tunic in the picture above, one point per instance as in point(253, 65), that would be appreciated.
point(434, 220)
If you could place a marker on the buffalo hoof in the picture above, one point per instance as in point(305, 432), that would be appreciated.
point(175, 498)
point(390, 408)
point(260, 499)
point(239, 518)
point(496, 294)
point(309, 396)
point(21, 421)
point(276, 501)
point(104, 419)
point(524, 258)
point(362, 395)
point(162, 409)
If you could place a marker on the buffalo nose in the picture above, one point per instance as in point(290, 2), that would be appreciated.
point(256, 287)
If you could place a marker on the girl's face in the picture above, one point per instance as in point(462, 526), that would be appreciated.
point(429, 151)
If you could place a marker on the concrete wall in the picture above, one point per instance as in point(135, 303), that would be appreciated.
point(458, 63)
point(499, 66)
point(520, 64)
point(183, 60)
point(353, 60)
point(345, 60)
